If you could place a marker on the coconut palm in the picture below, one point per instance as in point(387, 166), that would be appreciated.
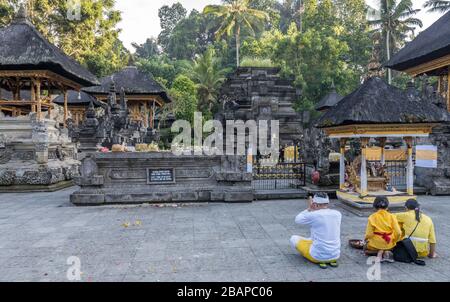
point(440, 6)
point(209, 76)
point(236, 16)
point(394, 19)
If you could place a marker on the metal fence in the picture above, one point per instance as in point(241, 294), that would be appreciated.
point(278, 176)
point(396, 171)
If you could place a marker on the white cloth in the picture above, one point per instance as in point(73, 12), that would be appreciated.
point(325, 233)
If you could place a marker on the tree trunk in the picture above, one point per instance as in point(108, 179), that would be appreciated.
point(388, 51)
point(238, 43)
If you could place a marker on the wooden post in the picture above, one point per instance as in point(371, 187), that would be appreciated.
point(364, 143)
point(410, 167)
point(383, 152)
point(342, 142)
point(448, 90)
point(38, 99)
point(66, 111)
point(33, 95)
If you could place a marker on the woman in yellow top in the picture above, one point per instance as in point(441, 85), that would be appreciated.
point(383, 231)
point(424, 237)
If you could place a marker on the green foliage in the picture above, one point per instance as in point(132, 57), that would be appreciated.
point(441, 6)
point(184, 94)
point(256, 62)
point(164, 68)
point(208, 76)
point(320, 54)
point(393, 21)
point(146, 50)
point(191, 36)
point(169, 17)
point(236, 16)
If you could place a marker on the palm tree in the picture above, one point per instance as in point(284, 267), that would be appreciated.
point(235, 16)
point(395, 21)
point(440, 6)
point(208, 75)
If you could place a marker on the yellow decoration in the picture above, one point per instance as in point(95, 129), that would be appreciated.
point(118, 148)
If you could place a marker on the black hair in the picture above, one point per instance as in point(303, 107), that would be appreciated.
point(381, 202)
point(413, 204)
point(310, 195)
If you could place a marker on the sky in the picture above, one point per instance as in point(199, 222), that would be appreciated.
point(140, 17)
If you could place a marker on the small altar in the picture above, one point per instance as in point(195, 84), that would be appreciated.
point(370, 116)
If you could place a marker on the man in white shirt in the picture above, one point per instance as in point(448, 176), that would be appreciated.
point(324, 246)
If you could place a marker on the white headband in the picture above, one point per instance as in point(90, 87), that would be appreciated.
point(321, 200)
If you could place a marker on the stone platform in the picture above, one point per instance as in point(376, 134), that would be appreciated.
point(35, 155)
point(127, 178)
point(363, 206)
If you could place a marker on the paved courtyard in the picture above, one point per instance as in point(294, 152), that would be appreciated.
point(203, 242)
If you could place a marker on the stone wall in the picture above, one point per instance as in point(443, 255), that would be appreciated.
point(116, 178)
point(437, 181)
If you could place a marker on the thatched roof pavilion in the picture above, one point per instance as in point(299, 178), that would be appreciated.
point(28, 61)
point(377, 110)
point(143, 93)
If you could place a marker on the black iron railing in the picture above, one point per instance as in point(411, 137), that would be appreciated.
point(279, 175)
point(396, 171)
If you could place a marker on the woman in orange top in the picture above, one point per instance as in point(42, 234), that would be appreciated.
point(383, 231)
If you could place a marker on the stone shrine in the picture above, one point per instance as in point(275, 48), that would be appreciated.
point(257, 93)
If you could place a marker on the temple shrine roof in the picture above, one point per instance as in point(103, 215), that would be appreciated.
point(133, 81)
point(431, 44)
point(75, 98)
point(330, 100)
point(23, 48)
point(376, 102)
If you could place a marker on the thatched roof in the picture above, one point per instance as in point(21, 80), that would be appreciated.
point(430, 44)
point(330, 100)
point(133, 81)
point(376, 102)
point(22, 47)
point(75, 98)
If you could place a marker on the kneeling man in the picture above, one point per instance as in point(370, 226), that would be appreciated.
point(324, 246)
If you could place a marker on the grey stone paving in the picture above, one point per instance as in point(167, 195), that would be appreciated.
point(203, 242)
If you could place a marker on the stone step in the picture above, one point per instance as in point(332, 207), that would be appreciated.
point(280, 194)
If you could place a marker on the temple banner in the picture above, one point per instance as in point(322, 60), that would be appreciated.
point(426, 156)
point(374, 153)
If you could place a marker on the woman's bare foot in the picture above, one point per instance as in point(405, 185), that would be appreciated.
point(433, 255)
point(380, 256)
